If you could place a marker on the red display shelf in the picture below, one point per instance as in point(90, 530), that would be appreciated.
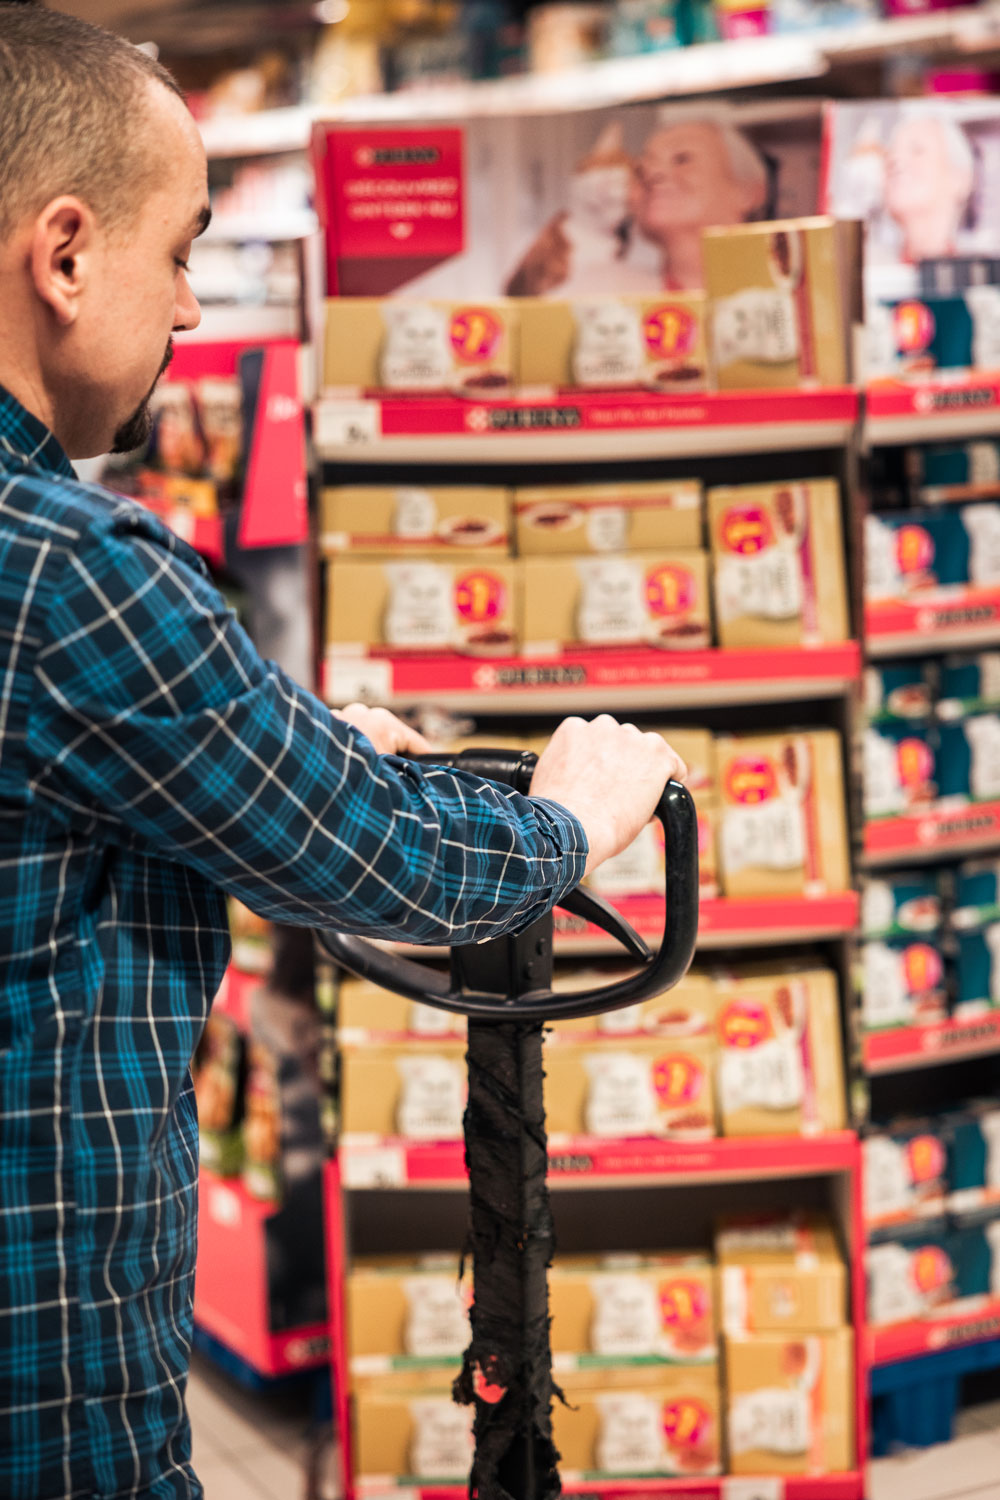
point(544, 428)
point(971, 1322)
point(928, 835)
point(918, 1046)
point(901, 411)
point(741, 920)
point(398, 1163)
point(233, 999)
point(940, 618)
point(765, 1487)
point(595, 680)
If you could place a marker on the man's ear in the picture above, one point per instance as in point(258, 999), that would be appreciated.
point(62, 245)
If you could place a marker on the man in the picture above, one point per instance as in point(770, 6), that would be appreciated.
point(150, 761)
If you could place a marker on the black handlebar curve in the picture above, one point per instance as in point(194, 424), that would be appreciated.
point(415, 981)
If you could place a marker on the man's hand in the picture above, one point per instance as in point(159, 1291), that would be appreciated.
point(610, 775)
point(389, 735)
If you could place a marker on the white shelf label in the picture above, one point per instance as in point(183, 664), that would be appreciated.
point(351, 679)
point(753, 1489)
point(374, 1167)
point(348, 424)
point(224, 1207)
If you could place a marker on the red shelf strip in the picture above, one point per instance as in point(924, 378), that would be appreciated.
point(940, 613)
point(757, 918)
point(974, 826)
point(888, 1051)
point(956, 1327)
point(816, 1487)
point(928, 399)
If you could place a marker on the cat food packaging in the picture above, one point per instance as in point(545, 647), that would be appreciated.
point(783, 829)
point(602, 343)
point(640, 869)
point(261, 1128)
point(941, 472)
point(778, 564)
point(945, 275)
point(646, 599)
point(918, 335)
point(407, 1428)
point(903, 983)
point(968, 761)
point(901, 766)
point(627, 516)
point(366, 1012)
point(977, 894)
point(976, 1248)
point(783, 298)
point(790, 1402)
point(913, 1275)
point(374, 520)
point(420, 348)
point(978, 968)
point(780, 1274)
point(902, 690)
point(617, 1309)
point(661, 1420)
point(406, 1313)
point(415, 1091)
point(780, 1066)
point(687, 1010)
point(973, 1140)
point(969, 684)
point(466, 606)
point(905, 1173)
point(908, 551)
point(218, 1070)
point(901, 905)
point(624, 1088)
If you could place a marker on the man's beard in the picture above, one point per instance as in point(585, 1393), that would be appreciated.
point(136, 430)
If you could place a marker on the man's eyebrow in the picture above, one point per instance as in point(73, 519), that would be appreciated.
point(203, 220)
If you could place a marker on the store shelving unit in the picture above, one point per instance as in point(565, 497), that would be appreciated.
point(919, 838)
point(961, 619)
point(921, 1046)
point(931, 411)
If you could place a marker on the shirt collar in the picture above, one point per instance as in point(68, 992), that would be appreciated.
point(26, 439)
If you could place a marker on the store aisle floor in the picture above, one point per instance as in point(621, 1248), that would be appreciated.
point(966, 1469)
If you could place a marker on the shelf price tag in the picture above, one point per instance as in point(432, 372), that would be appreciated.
point(374, 1167)
point(753, 1489)
point(358, 679)
point(348, 424)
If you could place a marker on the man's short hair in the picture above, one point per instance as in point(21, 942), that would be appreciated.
point(71, 117)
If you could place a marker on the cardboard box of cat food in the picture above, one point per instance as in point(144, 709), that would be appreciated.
point(912, 1275)
point(905, 1173)
point(972, 1136)
point(780, 1066)
point(646, 342)
point(650, 599)
point(418, 604)
point(687, 1010)
point(413, 1431)
point(917, 335)
point(909, 551)
point(778, 564)
point(901, 766)
point(414, 1090)
point(903, 905)
point(618, 1308)
point(662, 1420)
point(790, 1403)
point(420, 348)
point(783, 829)
point(968, 762)
point(628, 516)
point(783, 298)
point(954, 471)
point(969, 685)
point(633, 1088)
point(376, 520)
point(780, 1274)
point(978, 972)
point(366, 1012)
point(406, 1313)
point(903, 983)
point(904, 690)
point(977, 894)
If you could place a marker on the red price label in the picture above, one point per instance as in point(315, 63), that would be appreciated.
point(670, 590)
point(670, 330)
point(480, 596)
point(677, 1078)
point(475, 334)
point(685, 1422)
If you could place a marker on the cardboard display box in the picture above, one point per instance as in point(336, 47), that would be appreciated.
point(780, 1274)
point(645, 1087)
point(654, 342)
point(790, 1403)
point(778, 564)
point(662, 1420)
point(783, 298)
point(422, 605)
point(780, 1069)
point(416, 1091)
point(627, 516)
point(783, 826)
point(414, 1432)
point(412, 1310)
point(373, 520)
point(619, 1308)
point(687, 1010)
point(420, 348)
point(646, 599)
point(366, 1011)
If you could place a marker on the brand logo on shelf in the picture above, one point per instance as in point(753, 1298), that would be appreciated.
point(750, 779)
point(670, 590)
point(685, 1422)
point(669, 331)
point(475, 334)
point(677, 1078)
point(925, 1156)
point(744, 1023)
point(747, 530)
point(914, 549)
point(682, 1303)
point(914, 327)
point(396, 156)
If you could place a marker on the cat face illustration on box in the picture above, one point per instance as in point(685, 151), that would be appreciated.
point(757, 325)
point(442, 1439)
point(631, 1435)
point(417, 354)
point(421, 609)
point(626, 1316)
point(433, 1099)
point(609, 347)
point(415, 514)
point(612, 602)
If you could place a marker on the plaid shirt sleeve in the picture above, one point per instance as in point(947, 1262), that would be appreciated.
point(154, 710)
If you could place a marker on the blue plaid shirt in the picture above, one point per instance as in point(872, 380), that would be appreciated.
point(149, 761)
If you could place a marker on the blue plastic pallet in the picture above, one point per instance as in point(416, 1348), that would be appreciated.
point(316, 1382)
point(914, 1401)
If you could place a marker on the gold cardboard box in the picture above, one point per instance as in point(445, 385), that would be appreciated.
point(413, 1431)
point(373, 520)
point(420, 348)
point(366, 1011)
point(639, 515)
point(780, 1274)
point(618, 1308)
point(602, 343)
point(663, 1420)
point(790, 1403)
point(416, 1091)
point(644, 599)
point(642, 1087)
point(778, 564)
point(421, 604)
point(411, 1310)
point(687, 1010)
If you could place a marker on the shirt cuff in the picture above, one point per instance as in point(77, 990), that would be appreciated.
point(569, 840)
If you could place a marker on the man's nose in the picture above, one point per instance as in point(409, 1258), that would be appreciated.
point(187, 311)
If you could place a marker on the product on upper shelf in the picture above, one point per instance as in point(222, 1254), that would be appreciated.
point(646, 599)
point(261, 1127)
point(918, 335)
point(976, 1249)
point(406, 1312)
point(623, 1308)
point(901, 767)
point(659, 1420)
point(780, 1065)
point(968, 760)
point(905, 1173)
point(783, 828)
point(969, 684)
point(903, 983)
point(900, 905)
point(420, 348)
point(778, 564)
point(902, 690)
point(631, 1087)
point(654, 342)
point(626, 516)
point(468, 606)
point(782, 300)
point(973, 1139)
point(907, 551)
point(366, 1011)
point(955, 471)
point(780, 1273)
point(218, 1070)
point(977, 894)
point(639, 869)
point(411, 1428)
point(409, 518)
point(978, 967)
point(414, 1090)
point(687, 1010)
point(911, 1276)
point(790, 1402)
point(252, 937)
point(943, 276)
